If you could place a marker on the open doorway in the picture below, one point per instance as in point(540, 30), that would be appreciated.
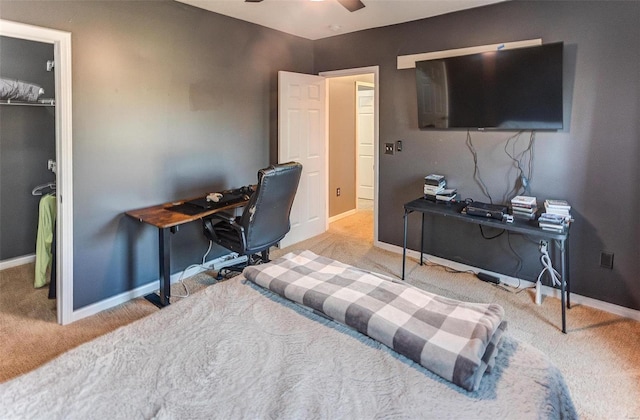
point(27, 177)
point(61, 42)
point(353, 144)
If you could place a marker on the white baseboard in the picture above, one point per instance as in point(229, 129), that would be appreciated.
point(512, 281)
point(595, 303)
point(14, 262)
point(115, 301)
point(146, 289)
point(342, 215)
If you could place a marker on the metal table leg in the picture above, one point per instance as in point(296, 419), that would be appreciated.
point(422, 240)
point(404, 243)
point(567, 274)
point(563, 284)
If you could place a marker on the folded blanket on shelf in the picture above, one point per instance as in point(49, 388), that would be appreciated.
point(455, 340)
point(20, 91)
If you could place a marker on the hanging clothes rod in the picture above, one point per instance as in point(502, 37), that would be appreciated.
point(22, 103)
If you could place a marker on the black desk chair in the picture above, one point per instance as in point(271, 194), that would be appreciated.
point(265, 219)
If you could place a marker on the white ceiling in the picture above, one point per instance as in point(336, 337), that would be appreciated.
point(324, 18)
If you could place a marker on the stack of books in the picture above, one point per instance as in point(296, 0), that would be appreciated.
point(524, 207)
point(558, 207)
point(552, 222)
point(447, 195)
point(433, 185)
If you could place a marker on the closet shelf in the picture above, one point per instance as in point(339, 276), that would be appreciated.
point(24, 103)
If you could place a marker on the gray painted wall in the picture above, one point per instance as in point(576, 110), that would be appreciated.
point(593, 162)
point(27, 141)
point(171, 101)
point(168, 102)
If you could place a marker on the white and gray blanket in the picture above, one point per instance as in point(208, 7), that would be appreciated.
point(237, 350)
point(456, 340)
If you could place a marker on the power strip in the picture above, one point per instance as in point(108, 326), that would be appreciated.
point(227, 261)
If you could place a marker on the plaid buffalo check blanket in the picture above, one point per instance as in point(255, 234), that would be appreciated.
point(455, 340)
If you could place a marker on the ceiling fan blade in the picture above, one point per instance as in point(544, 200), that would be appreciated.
point(352, 5)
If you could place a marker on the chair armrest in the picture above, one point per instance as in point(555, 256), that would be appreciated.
point(223, 224)
point(226, 217)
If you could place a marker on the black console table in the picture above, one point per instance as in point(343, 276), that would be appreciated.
point(560, 240)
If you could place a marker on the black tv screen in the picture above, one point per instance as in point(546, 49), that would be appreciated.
point(518, 89)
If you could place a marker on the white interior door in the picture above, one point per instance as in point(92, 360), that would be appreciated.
point(365, 139)
point(302, 128)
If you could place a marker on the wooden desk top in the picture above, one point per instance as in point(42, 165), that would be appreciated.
point(161, 217)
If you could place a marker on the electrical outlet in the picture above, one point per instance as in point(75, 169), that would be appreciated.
point(338, 191)
point(606, 260)
point(399, 145)
point(389, 148)
point(544, 246)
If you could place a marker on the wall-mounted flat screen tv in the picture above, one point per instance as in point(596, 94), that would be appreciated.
point(517, 89)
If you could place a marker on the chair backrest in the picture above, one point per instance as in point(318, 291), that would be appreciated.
point(266, 217)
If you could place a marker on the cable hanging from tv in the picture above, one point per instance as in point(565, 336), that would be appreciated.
point(476, 170)
point(522, 184)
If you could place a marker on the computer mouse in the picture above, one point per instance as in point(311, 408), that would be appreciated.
point(215, 197)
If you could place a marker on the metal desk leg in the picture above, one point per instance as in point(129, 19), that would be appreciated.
point(404, 243)
point(422, 240)
point(164, 258)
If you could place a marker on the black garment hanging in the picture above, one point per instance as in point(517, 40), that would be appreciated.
point(52, 281)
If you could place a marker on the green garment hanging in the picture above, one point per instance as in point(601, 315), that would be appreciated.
point(46, 223)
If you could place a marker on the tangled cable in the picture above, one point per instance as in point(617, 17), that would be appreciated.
point(548, 267)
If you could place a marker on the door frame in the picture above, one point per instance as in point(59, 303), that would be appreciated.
point(375, 70)
point(64, 176)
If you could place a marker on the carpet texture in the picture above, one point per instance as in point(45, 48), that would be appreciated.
point(237, 351)
point(599, 356)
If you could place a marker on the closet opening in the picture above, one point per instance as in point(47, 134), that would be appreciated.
point(36, 257)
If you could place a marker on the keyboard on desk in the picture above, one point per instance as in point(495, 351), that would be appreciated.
point(199, 205)
point(226, 199)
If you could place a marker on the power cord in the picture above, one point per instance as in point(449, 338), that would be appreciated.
point(490, 237)
point(446, 268)
point(524, 179)
point(201, 265)
point(525, 172)
point(516, 274)
point(548, 268)
point(476, 169)
point(499, 285)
